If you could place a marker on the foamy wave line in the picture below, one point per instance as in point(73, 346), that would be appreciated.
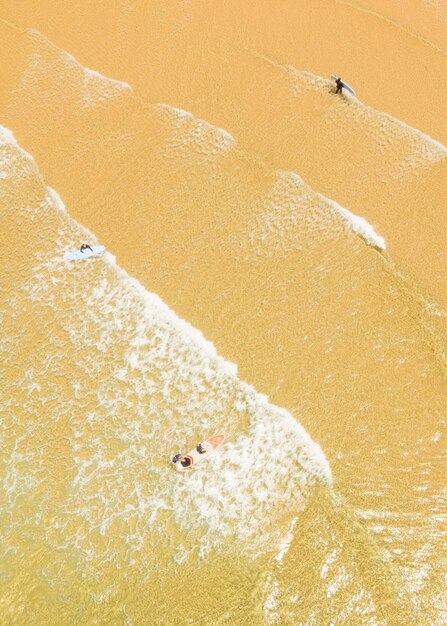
point(109, 87)
point(176, 112)
point(96, 75)
point(323, 82)
point(232, 494)
point(155, 307)
point(352, 222)
point(7, 139)
point(56, 199)
point(181, 115)
point(209, 498)
point(97, 86)
point(89, 72)
point(359, 226)
point(318, 82)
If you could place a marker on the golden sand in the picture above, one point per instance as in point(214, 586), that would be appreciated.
point(227, 213)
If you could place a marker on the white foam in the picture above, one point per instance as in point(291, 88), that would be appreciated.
point(352, 222)
point(96, 86)
point(434, 150)
point(97, 76)
point(180, 114)
point(228, 136)
point(56, 199)
point(233, 490)
point(176, 385)
point(271, 603)
point(361, 227)
point(8, 159)
point(7, 137)
point(435, 309)
point(223, 138)
point(286, 541)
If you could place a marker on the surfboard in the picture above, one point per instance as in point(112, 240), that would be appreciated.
point(345, 85)
point(210, 446)
point(77, 255)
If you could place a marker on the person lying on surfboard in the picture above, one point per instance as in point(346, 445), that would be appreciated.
point(202, 451)
point(184, 460)
point(85, 246)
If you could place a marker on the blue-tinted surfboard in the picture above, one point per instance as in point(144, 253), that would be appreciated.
point(77, 255)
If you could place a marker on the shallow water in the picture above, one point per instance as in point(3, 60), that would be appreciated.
point(303, 274)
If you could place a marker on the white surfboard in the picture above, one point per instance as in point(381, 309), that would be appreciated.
point(345, 85)
point(77, 255)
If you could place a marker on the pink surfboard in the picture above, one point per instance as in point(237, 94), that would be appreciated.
point(210, 446)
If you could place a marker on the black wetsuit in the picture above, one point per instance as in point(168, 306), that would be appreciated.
point(85, 247)
point(339, 84)
point(185, 462)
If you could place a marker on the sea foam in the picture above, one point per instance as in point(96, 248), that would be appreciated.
point(360, 226)
point(95, 86)
point(352, 222)
point(158, 384)
point(198, 128)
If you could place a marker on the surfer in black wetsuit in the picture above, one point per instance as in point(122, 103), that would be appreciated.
point(200, 449)
point(85, 246)
point(339, 84)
